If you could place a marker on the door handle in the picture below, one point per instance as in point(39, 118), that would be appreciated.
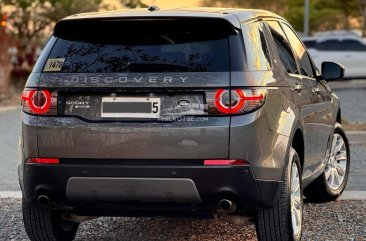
point(316, 90)
point(297, 87)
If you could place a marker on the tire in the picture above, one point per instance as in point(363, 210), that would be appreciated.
point(42, 224)
point(278, 222)
point(321, 189)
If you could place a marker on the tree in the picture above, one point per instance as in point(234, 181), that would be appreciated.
point(350, 9)
point(64, 8)
point(275, 6)
point(362, 9)
point(27, 19)
point(31, 20)
point(324, 14)
point(133, 4)
point(5, 42)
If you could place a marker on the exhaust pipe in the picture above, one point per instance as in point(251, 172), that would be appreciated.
point(43, 200)
point(226, 206)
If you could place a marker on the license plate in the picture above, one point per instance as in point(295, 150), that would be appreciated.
point(130, 107)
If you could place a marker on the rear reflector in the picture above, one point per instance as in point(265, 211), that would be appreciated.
point(225, 162)
point(43, 160)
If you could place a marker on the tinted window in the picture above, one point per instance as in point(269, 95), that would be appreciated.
point(329, 45)
point(256, 49)
point(310, 44)
point(283, 47)
point(352, 45)
point(306, 67)
point(143, 46)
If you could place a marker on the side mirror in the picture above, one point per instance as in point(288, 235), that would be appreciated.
point(332, 71)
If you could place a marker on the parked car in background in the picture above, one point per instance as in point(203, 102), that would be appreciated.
point(346, 49)
point(338, 33)
point(309, 42)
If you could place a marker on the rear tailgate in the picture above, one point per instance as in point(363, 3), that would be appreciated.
point(179, 65)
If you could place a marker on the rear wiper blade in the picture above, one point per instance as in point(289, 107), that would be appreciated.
point(156, 66)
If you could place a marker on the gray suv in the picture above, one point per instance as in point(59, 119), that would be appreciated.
point(184, 112)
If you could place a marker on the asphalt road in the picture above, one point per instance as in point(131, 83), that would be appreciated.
point(341, 220)
point(353, 104)
point(10, 127)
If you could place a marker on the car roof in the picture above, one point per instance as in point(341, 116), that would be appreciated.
point(325, 38)
point(230, 14)
point(309, 39)
point(340, 33)
point(340, 38)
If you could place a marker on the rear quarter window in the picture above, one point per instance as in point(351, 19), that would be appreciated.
point(283, 47)
point(305, 65)
point(256, 49)
point(143, 46)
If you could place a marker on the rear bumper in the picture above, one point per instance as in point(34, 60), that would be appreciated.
point(80, 186)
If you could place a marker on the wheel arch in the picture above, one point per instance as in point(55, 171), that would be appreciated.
point(339, 117)
point(299, 145)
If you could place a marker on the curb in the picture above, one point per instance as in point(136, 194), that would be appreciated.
point(353, 195)
point(7, 108)
point(348, 84)
point(356, 137)
point(10, 194)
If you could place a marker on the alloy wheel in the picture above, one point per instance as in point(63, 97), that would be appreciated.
point(296, 202)
point(335, 170)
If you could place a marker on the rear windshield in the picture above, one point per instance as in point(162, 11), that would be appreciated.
point(165, 45)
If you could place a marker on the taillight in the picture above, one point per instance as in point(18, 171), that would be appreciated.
point(222, 101)
point(39, 102)
point(40, 160)
point(239, 101)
